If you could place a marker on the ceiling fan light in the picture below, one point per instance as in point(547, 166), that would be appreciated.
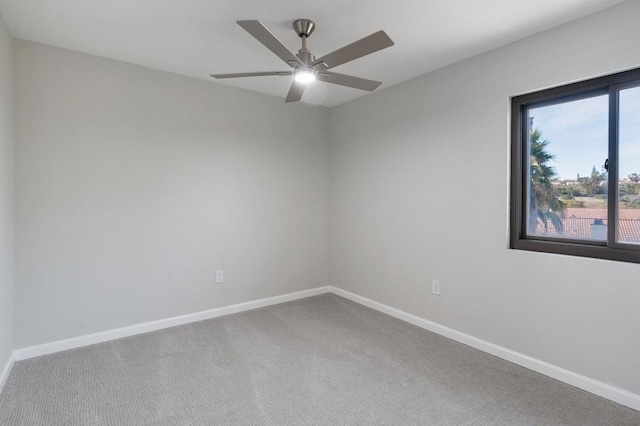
point(305, 76)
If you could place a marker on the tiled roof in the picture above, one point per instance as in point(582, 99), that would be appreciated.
point(580, 228)
point(629, 230)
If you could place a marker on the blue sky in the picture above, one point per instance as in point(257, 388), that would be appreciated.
point(578, 133)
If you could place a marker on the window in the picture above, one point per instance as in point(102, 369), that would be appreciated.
point(575, 169)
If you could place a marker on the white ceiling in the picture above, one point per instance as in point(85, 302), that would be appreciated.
point(199, 37)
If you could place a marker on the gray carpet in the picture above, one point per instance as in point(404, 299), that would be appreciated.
point(322, 360)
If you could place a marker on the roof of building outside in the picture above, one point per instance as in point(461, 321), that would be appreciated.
point(581, 228)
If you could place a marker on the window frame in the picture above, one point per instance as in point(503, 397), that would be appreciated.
point(518, 238)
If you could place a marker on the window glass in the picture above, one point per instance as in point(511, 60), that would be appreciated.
point(567, 184)
point(629, 166)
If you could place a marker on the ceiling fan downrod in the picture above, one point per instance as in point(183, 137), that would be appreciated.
point(304, 28)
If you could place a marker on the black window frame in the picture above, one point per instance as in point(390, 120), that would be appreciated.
point(609, 249)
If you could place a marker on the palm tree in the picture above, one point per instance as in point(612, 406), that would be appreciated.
point(544, 205)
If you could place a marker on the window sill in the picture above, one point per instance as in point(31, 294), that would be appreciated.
point(577, 249)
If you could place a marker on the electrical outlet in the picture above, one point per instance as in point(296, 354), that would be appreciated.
point(435, 287)
point(219, 277)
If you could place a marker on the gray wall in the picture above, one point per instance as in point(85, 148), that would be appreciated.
point(6, 196)
point(420, 192)
point(133, 186)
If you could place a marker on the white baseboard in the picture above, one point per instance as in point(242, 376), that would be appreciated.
point(588, 384)
point(132, 330)
point(4, 375)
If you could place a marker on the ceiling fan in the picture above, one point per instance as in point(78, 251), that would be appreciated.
point(305, 67)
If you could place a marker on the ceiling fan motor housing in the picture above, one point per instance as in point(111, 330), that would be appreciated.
point(306, 56)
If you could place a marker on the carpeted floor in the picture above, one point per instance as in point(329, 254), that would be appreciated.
point(322, 360)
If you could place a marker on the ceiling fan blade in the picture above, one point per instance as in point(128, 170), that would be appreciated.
point(250, 74)
point(266, 37)
point(295, 92)
point(349, 81)
point(373, 43)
